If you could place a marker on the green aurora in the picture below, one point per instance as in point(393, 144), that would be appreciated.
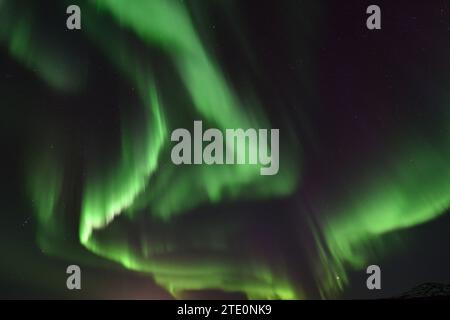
point(129, 186)
point(140, 183)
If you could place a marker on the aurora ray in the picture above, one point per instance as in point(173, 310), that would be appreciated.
point(363, 155)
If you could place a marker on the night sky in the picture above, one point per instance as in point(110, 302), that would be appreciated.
point(88, 180)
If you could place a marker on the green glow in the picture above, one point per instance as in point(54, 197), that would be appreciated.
point(141, 180)
point(103, 201)
point(408, 190)
point(167, 24)
point(45, 185)
point(140, 185)
point(131, 187)
point(33, 49)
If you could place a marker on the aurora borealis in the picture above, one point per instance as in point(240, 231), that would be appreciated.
point(364, 173)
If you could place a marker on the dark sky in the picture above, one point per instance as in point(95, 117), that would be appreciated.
point(356, 104)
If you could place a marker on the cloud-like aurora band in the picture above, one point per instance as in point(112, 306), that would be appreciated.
point(130, 183)
point(408, 188)
point(138, 185)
